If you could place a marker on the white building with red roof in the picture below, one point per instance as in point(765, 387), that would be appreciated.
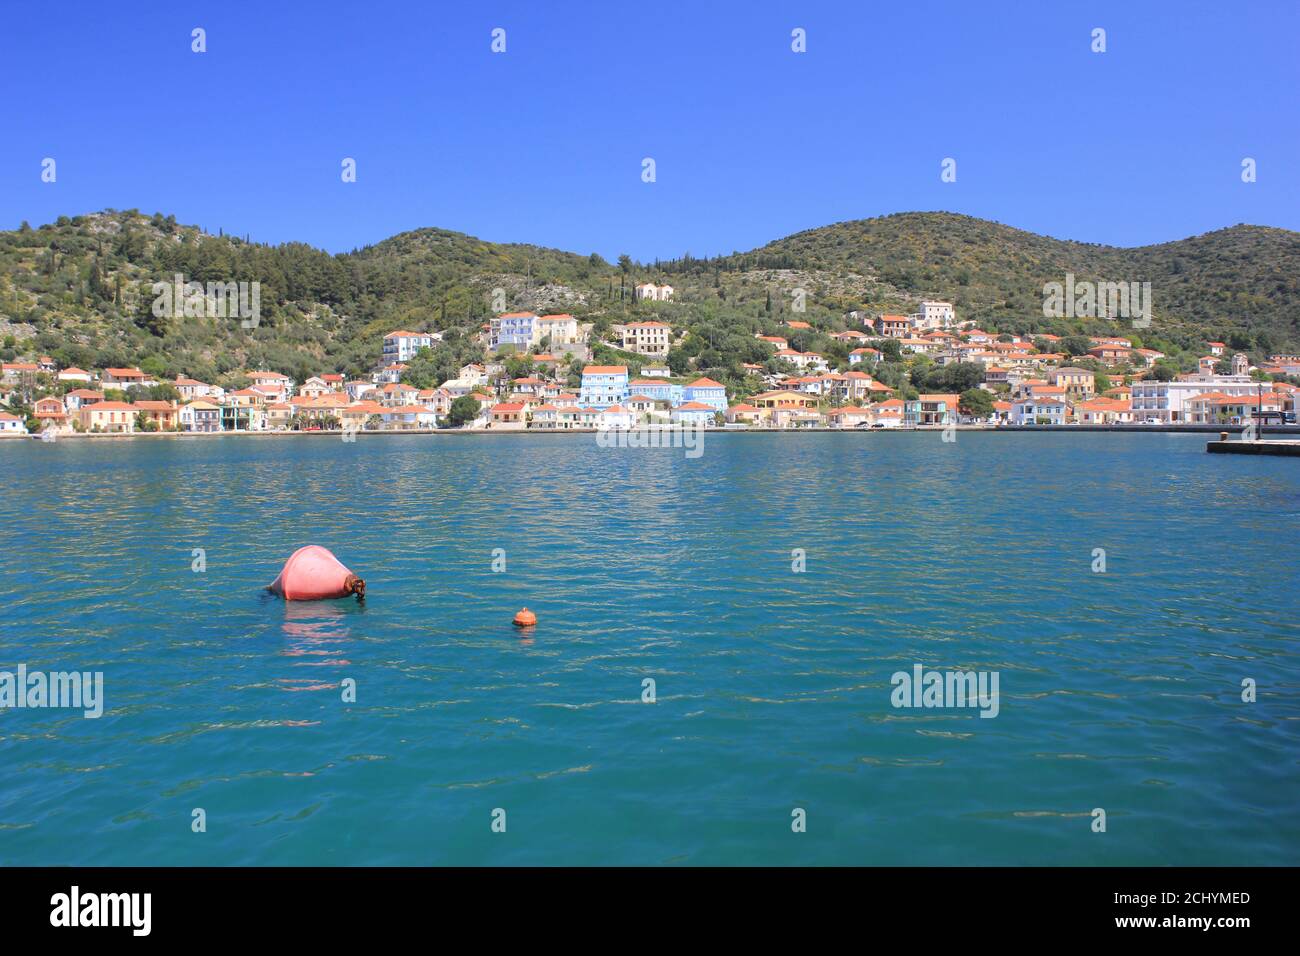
point(402, 346)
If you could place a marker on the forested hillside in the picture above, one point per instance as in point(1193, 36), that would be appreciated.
point(80, 290)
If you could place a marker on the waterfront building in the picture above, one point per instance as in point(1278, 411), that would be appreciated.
point(616, 416)
point(694, 413)
point(850, 416)
point(1103, 411)
point(278, 415)
point(888, 413)
point(200, 416)
point(931, 410)
point(604, 385)
point(407, 417)
point(1167, 401)
point(107, 417)
point(509, 415)
point(705, 391)
point(1039, 410)
point(162, 414)
point(744, 413)
point(51, 415)
point(783, 399)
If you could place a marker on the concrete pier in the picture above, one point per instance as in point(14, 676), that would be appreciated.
point(1253, 448)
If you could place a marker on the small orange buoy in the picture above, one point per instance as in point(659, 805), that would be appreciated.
point(525, 618)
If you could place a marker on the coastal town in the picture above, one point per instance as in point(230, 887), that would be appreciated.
point(1012, 380)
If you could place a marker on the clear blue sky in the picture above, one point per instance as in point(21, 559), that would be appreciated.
point(752, 142)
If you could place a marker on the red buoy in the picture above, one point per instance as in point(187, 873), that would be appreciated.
point(525, 618)
point(314, 574)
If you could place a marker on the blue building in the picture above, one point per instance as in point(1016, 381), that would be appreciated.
point(705, 391)
point(658, 389)
point(603, 386)
point(693, 413)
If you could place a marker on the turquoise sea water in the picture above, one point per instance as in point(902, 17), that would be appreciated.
point(1119, 690)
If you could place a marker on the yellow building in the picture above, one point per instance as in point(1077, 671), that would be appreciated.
point(1079, 383)
point(107, 417)
point(784, 398)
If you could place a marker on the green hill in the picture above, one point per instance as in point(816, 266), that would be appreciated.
point(1245, 279)
point(80, 290)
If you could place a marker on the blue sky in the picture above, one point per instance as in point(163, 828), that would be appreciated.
point(544, 143)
